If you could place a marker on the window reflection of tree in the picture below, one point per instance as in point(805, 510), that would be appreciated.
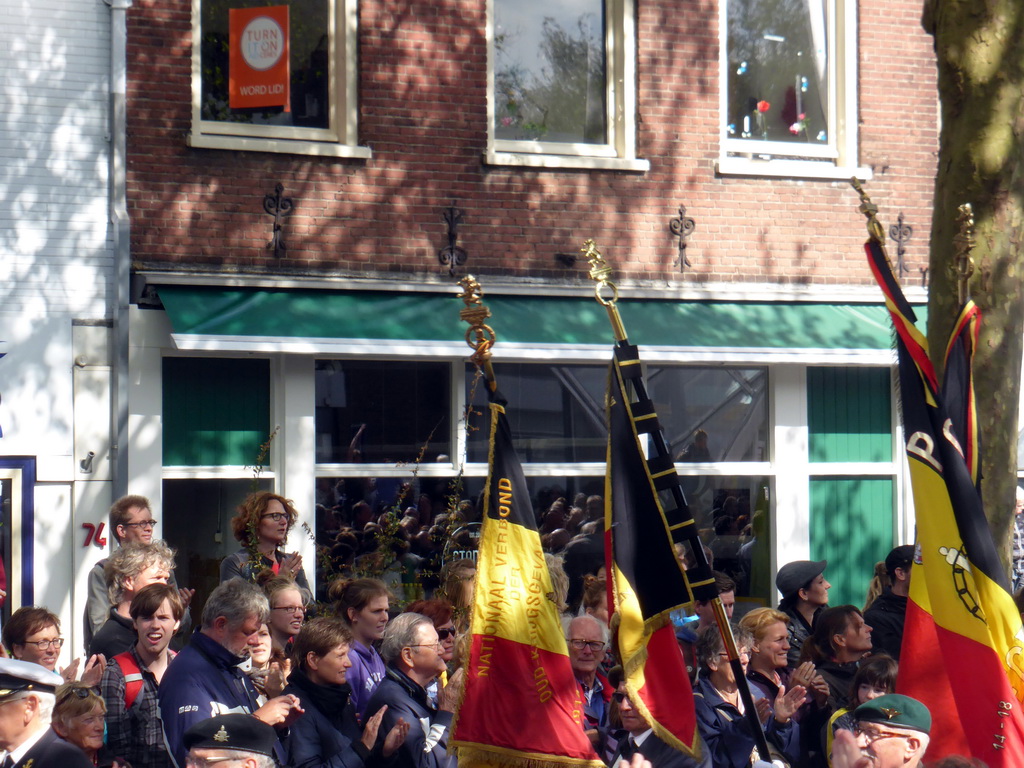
point(777, 49)
point(562, 99)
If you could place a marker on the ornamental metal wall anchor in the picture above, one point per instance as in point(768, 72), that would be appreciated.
point(900, 234)
point(278, 207)
point(452, 255)
point(682, 228)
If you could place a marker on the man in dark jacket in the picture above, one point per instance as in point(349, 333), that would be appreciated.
point(411, 650)
point(205, 680)
point(641, 739)
point(887, 613)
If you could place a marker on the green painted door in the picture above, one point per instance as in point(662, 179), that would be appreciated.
point(849, 417)
point(851, 527)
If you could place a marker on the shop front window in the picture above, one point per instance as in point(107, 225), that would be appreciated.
point(372, 412)
point(557, 412)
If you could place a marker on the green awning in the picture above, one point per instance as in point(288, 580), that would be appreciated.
point(213, 317)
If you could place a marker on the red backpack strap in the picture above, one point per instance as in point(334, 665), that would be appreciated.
point(133, 678)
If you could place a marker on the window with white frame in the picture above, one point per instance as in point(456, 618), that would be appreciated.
point(788, 98)
point(562, 90)
point(276, 76)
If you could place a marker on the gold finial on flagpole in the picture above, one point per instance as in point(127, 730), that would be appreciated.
point(479, 336)
point(963, 244)
point(601, 274)
point(870, 211)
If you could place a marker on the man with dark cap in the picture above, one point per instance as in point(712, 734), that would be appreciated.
point(891, 732)
point(234, 737)
point(27, 696)
point(887, 613)
point(804, 595)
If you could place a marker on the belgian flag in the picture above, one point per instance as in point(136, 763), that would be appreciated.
point(521, 704)
point(962, 649)
point(647, 579)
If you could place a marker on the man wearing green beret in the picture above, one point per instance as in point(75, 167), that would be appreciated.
point(891, 732)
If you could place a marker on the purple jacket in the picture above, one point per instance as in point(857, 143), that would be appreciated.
point(366, 672)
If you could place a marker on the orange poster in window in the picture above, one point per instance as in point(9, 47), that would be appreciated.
point(259, 70)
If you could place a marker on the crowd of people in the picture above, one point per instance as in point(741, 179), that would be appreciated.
point(268, 677)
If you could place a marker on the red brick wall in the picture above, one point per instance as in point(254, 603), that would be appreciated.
point(422, 92)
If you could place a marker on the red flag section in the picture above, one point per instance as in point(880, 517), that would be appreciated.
point(963, 643)
point(521, 704)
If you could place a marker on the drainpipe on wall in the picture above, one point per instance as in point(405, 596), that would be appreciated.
point(118, 205)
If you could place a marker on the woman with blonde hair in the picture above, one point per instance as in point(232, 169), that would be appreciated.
point(78, 718)
point(457, 579)
point(262, 525)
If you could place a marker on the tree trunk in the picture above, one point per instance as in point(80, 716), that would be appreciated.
point(980, 57)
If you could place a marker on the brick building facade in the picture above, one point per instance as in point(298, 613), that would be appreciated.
point(393, 113)
point(423, 90)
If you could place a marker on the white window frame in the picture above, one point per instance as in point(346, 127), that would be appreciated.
point(837, 160)
point(619, 153)
point(338, 140)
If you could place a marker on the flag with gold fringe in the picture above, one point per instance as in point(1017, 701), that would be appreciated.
point(647, 579)
point(521, 705)
point(962, 641)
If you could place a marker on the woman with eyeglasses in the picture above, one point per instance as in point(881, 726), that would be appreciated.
point(440, 612)
point(78, 718)
point(33, 634)
point(328, 735)
point(262, 525)
point(287, 612)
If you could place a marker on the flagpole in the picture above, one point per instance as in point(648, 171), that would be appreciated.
point(601, 273)
point(520, 705)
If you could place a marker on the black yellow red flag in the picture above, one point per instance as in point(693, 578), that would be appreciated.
point(647, 580)
point(963, 643)
point(521, 704)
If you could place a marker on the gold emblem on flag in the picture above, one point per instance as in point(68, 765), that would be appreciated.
point(221, 735)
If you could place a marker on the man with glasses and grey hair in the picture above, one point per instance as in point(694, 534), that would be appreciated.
point(131, 522)
point(27, 696)
point(412, 652)
point(588, 639)
point(205, 680)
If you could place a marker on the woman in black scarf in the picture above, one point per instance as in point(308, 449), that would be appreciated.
point(328, 734)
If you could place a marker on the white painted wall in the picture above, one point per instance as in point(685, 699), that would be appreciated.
point(56, 268)
point(54, 254)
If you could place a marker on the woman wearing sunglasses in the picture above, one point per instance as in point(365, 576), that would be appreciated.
point(262, 525)
point(440, 612)
point(78, 718)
